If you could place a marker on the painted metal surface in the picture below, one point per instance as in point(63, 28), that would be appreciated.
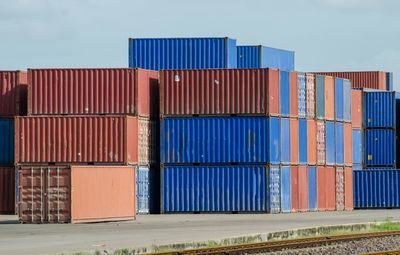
point(376, 188)
point(339, 143)
point(330, 143)
point(310, 87)
point(321, 144)
point(220, 188)
point(311, 142)
point(312, 188)
point(284, 89)
point(329, 98)
point(379, 147)
point(389, 81)
point(285, 141)
point(93, 91)
point(264, 57)
point(330, 188)
point(372, 80)
point(286, 202)
point(321, 188)
point(143, 189)
point(356, 109)
point(220, 92)
point(348, 144)
point(7, 190)
point(339, 99)
point(340, 200)
point(182, 53)
point(294, 141)
point(249, 56)
point(357, 146)
point(303, 151)
point(320, 96)
point(84, 139)
point(379, 109)
point(348, 188)
point(357, 167)
point(6, 142)
point(293, 94)
point(303, 188)
point(346, 100)
point(301, 95)
point(13, 89)
point(294, 187)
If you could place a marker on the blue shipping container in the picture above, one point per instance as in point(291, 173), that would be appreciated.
point(379, 109)
point(6, 142)
point(182, 53)
point(389, 81)
point(346, 100)
point(301, 95)
point(220, 189)
point(285, 141)
point(284, 90)
point(286, 203)
point(339, 142)
point(320, 96)
point(142, 190)
point(302, 141)
point(379, 147)
point(330, 143)
point(357, 146)
point(376, 188)
point(312, 188)
point(264, 57)
point(357, 167)
point(339, 99)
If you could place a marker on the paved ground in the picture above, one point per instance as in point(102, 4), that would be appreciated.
point(164, 229)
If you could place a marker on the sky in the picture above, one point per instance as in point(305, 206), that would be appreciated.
point(326, 35)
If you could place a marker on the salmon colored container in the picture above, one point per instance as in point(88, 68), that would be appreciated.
point(321, 188)
point(219, 92)
point(329, 98)
point(340, 188)
point(311, 142)
point(303, 188)
point(321, 149)
point(293, 94)
point(356, 109)
point(76, 194)
point(7, 190)
point(348, 189)
point(348, 144)
point(330, 188)
point(310, 87)
point(294, 187)
point(294, 141)
point(13, 90)
point(371, 80)
point(93, 91)
point(84, 139)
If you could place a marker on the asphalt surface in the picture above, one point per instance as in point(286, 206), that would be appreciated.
point(151, 230)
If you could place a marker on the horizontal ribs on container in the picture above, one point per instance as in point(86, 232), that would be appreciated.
point(371, 80)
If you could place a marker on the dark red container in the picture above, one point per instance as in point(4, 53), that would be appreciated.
point(348, 188)
point(93, 91)
point(293, 94)
point(13, 90)
point(303, 188)
point(294, 179)
point(356, 109)
point(7, 190)
point(371, 80)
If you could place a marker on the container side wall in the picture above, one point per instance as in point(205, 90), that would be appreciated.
point(372, 80)
point(277, 58)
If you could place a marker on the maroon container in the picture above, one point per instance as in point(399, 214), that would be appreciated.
point(7, 189)
point(13, 89)
point(93, 91)
point(372, 80)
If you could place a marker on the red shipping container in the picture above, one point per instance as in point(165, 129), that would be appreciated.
point(310, 87)
point(13, 90)
point(293, 94)
point(294, 187)
point(348, 144)
point(321, 150)
point(311, 142)
point(321, 188)
point(93, 91)
point(372, 80)
point(76, 194)
point(339, 188)
point(84, 139)
point(219, 92)
point(348, 188)
point(294, 141)
point(7, 190)
point(356, 109)
point(329, 98)
point(303, 188)
point(330, 188)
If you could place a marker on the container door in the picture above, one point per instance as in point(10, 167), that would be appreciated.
point(339, 140)
point(321, 188)
point(348, 188)
point(320, 96)
point(303, 188)
point(347, 100)
point(294, 187)
point(284, 94)
point(357, 146)
point(58, 202)
point(285, 189)
point(339, 99)
point(274, 147)
point(312, 188)
point(303, 141)
point(339, 188)
point(330, 143)
point(274, 196)
point(301, 95)
point(321, 147)
point(330, 188)
point(310, 83)
point(142, 190)
point(285, 141)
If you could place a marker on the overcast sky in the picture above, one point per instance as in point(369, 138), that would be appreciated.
point(327, 35)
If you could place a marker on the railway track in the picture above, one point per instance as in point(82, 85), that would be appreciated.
point(285, 244)
point(385, 253)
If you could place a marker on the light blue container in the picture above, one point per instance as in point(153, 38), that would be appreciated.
point(284, 90)
point(330, 143)
point(286, 203)
point(346, 100)
point(312, 188)
point(285, 141)
point(142, 190)
point(357, 146)
point(301, 95)
point(320, 96)
point(339, 104)
point(339, 142)
point(303, 142)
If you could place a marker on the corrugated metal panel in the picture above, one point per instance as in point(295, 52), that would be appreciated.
point(182, 53)
point(321, 188)
point(357, 146)
point(321, 145)
point(303, 141)
point(379, 109)
point(329, 98)
point(220, 140)
point(285, 141)
point(286, 203)
point(284, 89)
point(142, 189)
point(303, 188)
point(339, 142)
point(372, 80)
point(7, 190)
point(6, 142)
point(330, 143)
point(348, 144)
point(93, 91)
point(294, 141)
point(312, 188)
point(248, 56)
point(340, 188)
point(310, 83)
point(376, 189)
point(346, 100)
point(339, 99)
point(330, 188)
point(301, 95)
point(13, 93)
point(379, 147)
point(293, 94)
point(348, 188)
point(220, 188)
point(389, 81)
point(356, 109)
point(311, 142)
point(320, 96)
point(294, 187)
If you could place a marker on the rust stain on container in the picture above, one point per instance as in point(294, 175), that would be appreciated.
point(311, 142)
point(340, 189)
point(7, 190)
point(293, 94)
point(348, 188)
point(356, 109)
point(330, 188)
point(310, 87)
point(13, 90)
point(84, 139)
point(93, 91)
point(372, 80)
point(303, 188)
point(294, 141)
point(329, 98)
point(321, 188)
point(294, 187)
point(348, 144)
point(321, 149)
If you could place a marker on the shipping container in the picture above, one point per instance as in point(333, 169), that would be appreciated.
point(220, 140)
point(7, 190)
point(303, 158)
point(285, 141)
point(251, 188)
point(294, 141)
point(348, 144)
point(321, 145)
point(6, 142)
point(339, 104)
point(13, 90)
point(219, 92)
point(301, 95)
point(357, 146)
point(346, 100)
point(340, 188)
point(93, 91)
point(294, 188)
point(84, 139)
point(311, 142)
point(284, 97)
point(321, 188)
point(372, 80)
point(312, 188)
point(143, 189)
point(356, 109)
point(357, 167)
point(310, 83)
point(379, 147)
point(320, 96)
point(286, 203)
point(330, 143)
point(377, 188)
point(330, 188)
point(329, 98)
point(293, 94)
point(303, 188)
point(389, 81)
point(379, 109)
point(57, 194)
point(348, 188)
point(339, 143)
point(182, 53)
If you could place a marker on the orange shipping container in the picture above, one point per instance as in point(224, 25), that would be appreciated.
point(76, 194)
point(348, 144)
point(356, 110)
point(321, 188)
point(7, 189)
point(330, 188)
point(303, 188)
point(348, 188)
point(311, 142)
point(294, 141)
point(294, 187)
point(329, 98)
point(293, 94)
